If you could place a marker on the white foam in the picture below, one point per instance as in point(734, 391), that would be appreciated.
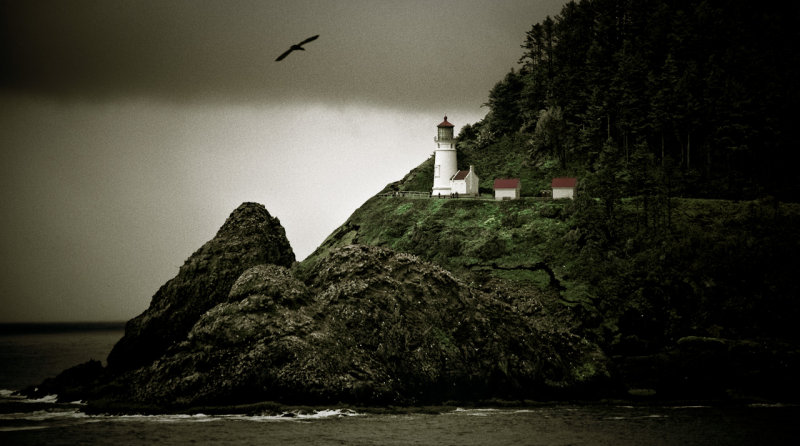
point(44, 399)
point(478, 412)
point(329, 413)
point(158, 418)
point(643, 417)
point(203, 418)
point(44, 415)
point(291, 416)
point(9, 394)
point(12, 395)
point(769, 405)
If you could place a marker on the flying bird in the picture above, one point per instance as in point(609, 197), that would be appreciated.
point(299, 46)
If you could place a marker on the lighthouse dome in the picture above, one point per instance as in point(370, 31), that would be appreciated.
point(444, 131)
point(445, 123)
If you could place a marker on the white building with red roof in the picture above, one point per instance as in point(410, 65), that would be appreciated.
point(465, 183)
point(564, 187)
point(507, 188)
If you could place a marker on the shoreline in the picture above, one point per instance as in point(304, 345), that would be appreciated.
point(272, 408)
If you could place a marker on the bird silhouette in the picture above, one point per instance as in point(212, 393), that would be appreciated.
point(299, 46)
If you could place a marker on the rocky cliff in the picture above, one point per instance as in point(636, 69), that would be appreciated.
point(249, 237)
point(717, 282)
point(371, 326)
point(365, 325)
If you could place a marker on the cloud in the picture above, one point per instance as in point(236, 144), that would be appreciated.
point(129, 130)
point(408, 54)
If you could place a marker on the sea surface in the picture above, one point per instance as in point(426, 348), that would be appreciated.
point(31, 354)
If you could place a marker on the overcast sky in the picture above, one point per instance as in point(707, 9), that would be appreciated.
point(130, 130)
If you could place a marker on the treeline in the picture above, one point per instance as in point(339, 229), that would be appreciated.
point(647, 101)
point(692, 98)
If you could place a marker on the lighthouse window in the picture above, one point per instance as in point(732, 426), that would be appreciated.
point(436, 169)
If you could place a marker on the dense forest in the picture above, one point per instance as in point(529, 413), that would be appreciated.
point(691, 98)
point(679, 254)
point(677, 118)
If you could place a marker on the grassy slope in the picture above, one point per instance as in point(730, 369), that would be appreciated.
point(721, 274)
point(538, 246)
point(464, 236)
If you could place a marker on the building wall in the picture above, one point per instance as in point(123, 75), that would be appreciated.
point(459, 187)
point(444, 164)
point(472, 181)
point(500, 194)
point(468, 186)
point(563, 192)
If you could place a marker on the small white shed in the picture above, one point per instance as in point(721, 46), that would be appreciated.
point(465, 183)
point(564, 187)
point(507, 188)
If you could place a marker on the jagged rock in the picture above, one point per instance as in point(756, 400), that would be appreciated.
point(271, 281)
point(376, 327)
point(250, 236)
point(364, 325)
point(68, 384)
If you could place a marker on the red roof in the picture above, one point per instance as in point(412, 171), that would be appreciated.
point(445, 123)
point(506, 183)
point(461, 174)
point(564, 182)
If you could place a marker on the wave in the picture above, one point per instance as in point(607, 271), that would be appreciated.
point(771, 405)
point(9, 394)
point(12, 395)
point(298, 416)
point(58, 416)
point(45, 415)
point(480, 412)
point(203, 418)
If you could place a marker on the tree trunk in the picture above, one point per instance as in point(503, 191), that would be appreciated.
point(688, 150)
point(625, 141)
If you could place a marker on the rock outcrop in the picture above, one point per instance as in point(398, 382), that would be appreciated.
point(249, 237)
point(365, 325)
point(370, 326)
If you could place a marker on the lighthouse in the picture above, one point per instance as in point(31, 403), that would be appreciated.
point(444, 160)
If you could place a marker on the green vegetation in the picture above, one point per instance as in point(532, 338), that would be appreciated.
point(721, 268)
point(700, 94)
point(464, 236)
point(683, 242)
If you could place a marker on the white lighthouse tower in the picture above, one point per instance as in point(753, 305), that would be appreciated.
point(444, 161)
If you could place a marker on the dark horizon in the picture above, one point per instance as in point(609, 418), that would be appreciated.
point(10, 328)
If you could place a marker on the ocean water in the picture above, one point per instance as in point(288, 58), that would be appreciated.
point(29, 353)
point(27, 357)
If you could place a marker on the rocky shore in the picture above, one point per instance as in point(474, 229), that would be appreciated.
point(243, 327)
point(366, 326)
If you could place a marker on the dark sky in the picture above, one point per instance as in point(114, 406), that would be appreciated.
point(403, 54)
point(129, 130)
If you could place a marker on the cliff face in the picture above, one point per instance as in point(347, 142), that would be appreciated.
point(363, 325)
point(418, 301)
point(371, 326)
point(249, 237)
point(644, 286)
